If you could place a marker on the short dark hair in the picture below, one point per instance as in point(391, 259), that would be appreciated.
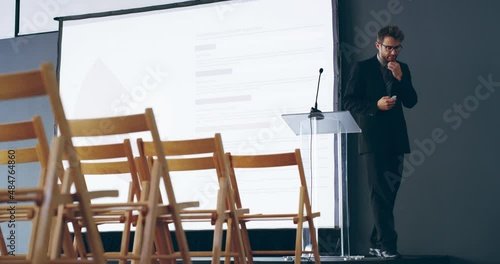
point(391, 31)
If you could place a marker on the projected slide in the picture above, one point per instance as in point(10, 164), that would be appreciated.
point(231, 67)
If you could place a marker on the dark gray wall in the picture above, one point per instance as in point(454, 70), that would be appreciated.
point(22, 54)
point(448, 202)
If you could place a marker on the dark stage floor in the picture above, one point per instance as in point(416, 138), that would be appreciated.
point(329, 259)
point(370, 260)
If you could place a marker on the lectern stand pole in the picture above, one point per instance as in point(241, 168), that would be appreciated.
point(339, 124)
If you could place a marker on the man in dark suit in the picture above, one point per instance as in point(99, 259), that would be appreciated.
point(376, 92)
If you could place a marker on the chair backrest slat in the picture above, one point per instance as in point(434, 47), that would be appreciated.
point(17, 131)
point(187, 164)
point(263, 161)
point(96, 152)
point(24, 155)
point(110, 159)
point(21, 85)
point(187, 155)
point(25, 130)
point(197, 154)
point(108, 126)
point(103, 168)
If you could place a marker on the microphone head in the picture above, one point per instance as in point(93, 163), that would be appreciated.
point(320, 70)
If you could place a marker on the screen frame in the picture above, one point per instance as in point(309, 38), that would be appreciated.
point(336, 51)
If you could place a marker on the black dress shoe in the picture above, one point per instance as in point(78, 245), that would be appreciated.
point(390, 254)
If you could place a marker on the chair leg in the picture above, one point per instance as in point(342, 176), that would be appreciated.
point(56, 243)
point(150, 221)
point(300, 225)
point(125, 243)
point(93, 237)
point(34, 228)
point(139, 229)
point(160, 242)
point(168, 242)
point(232, 246)
point(3, 247)
point(180, 235)
point(46, 211)
point(229, 242)
point(218, 230)
point(237, 236)
point(314, 240)
point(138, 238)
point(246, 241)
point(68, 247)
point(79, 245)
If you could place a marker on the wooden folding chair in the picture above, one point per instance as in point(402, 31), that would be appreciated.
point(203, 158)
point(85, 130)
point(39, 83)
point(114, 161)
point(262, 164)
point(21, 151)
point(17, 156)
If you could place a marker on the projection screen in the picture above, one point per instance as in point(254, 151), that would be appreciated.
point(230, 67)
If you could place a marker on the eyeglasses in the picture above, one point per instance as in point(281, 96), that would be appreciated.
point(391, 48)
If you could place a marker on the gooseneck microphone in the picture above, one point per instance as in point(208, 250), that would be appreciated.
point(315, 112)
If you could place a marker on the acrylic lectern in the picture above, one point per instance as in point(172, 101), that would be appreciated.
point(339, 124)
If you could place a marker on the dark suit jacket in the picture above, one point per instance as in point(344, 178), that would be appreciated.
point(382, 131)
